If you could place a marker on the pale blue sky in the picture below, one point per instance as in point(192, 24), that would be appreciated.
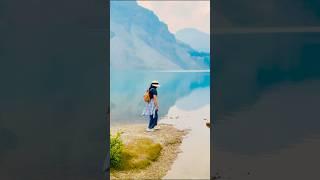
point(181, 14)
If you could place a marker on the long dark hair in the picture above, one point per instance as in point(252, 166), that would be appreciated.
point(151, 86)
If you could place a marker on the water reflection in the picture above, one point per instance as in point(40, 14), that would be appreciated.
point(127, 88)
point(195, 100)
point(189, 113)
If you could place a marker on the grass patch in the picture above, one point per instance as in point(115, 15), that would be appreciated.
point(140, 153)
point(137, 154)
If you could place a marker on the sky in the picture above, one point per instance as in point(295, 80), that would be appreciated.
point(181, 14)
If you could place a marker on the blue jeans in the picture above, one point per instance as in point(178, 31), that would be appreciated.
point(153, 121)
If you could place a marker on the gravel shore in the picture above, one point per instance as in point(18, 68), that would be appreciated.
point(168, 136)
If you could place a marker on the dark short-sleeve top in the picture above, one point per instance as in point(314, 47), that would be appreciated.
point(152, 91)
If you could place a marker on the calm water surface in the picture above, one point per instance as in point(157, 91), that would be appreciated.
point(128, 87)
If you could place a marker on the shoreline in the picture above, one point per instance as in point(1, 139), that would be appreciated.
point(195, 146)
point(188, 129)
point(168, 136)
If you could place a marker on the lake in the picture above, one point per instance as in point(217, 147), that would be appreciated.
point(127, 89)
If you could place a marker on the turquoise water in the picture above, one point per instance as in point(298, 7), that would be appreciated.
point(127, 89)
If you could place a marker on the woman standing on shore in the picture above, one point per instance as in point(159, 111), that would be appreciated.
point(152, 107)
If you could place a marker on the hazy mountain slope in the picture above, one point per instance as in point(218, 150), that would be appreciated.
point(140, 40)
point(196, 39)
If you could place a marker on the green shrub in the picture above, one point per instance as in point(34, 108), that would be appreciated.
point(116, 148)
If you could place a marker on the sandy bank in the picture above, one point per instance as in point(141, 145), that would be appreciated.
point(168, 136)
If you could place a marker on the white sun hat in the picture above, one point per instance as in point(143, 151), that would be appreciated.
point(155, 83)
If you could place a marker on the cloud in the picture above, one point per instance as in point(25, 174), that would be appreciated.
point(181, 14)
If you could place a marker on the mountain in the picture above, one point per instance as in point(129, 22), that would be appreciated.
point(196, 39)
point(138, 39)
